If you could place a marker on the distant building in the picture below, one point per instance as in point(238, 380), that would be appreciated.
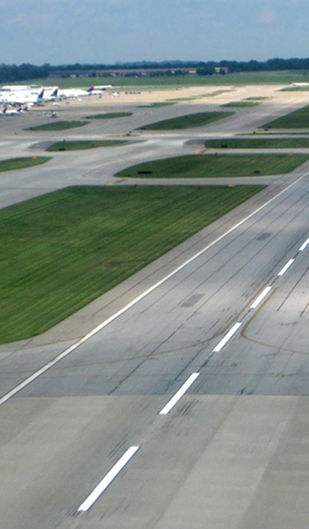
point(221, 69)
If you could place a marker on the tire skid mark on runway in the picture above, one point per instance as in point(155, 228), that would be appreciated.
point(258, 304)
point(97, 329)
point(184, 388)
point(108, 479)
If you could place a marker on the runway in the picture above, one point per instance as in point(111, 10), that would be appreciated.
point(229, 308)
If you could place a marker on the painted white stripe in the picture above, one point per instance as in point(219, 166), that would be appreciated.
point(226, 338)
point(171, 403)
point(97, 329)
point(303, 246)
point(106, 481)
point(285, 268)
point(260, 298)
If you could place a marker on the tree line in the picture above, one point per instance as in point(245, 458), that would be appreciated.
point(25, 72)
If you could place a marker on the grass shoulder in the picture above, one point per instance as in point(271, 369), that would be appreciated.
point(59, 125)
point(240, 104)
point(298, 119)
point(258, 143)
point(77, 243)
point(22, 163)
point(187, 121)
point(215, 166)
point(78, 145)
point(110, 115)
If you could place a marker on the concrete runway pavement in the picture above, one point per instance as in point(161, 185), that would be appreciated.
point(233, 451)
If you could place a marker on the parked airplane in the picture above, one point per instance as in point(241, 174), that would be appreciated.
point(300, 84)
point(17, 87)
point(12, 112)
point(79, 92)
point(22, 97)
point(99, 90)
point(50, 96)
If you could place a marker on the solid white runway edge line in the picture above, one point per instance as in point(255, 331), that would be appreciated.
point(285, 268)
point(303, 246)
point(260, 298)
point(106, 481)
point(226, 338)
point(171, 403)
point(97, 329)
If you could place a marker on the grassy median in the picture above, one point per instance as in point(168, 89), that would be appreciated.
point(62, 250)
point(58, 125)
point(215, 166)
point(78, 145)
point(259, 142)
point(186, 122)
point(110, 115)
point(299, 119)
point(22, 163)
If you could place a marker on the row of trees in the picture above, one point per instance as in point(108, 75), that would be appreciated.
point(12, 73)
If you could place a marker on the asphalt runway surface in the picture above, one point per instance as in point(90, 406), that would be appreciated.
point(180, 398)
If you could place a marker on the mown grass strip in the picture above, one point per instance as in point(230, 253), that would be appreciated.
point(258, 143)
point(111, 115)
point(22, 163)
point(82, 145)
point(59, 125)
point(158, 105)
point(62, 250)
point(241, 104)
point(188, 121)
point(299, 119)
point(215, 166)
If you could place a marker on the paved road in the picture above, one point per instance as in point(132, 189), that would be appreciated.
point(233, 450)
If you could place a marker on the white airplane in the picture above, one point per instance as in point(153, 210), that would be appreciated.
point(300, 84)
point(50, 95)
point(100, 89)
point(22, 97)
point(12, 112)
point(79, 92)
point(17, 87)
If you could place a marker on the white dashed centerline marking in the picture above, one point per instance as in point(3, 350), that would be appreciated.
point(97, 329)
point(285, 268)
point(303, 246)
point(171, 403)
point(226, 338)
point(260, 298)
point(106, 481)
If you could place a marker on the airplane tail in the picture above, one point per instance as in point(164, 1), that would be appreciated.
point(40, 96)
point(90, 89)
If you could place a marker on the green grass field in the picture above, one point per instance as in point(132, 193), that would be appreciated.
point(22, 163)
point(242, 78)
point(63, 249)
point(215, 166)
point(79, 145)
point(59, 125)
point(299, 119)
point(258, 143)
point(240, 104)
point(111, 115)
point(158, 105)
point(188, 121)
